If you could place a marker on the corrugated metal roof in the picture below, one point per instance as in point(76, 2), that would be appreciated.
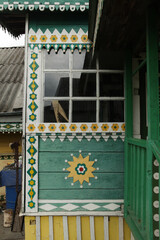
point(11, 78)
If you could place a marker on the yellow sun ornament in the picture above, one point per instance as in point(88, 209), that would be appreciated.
point(81, 169)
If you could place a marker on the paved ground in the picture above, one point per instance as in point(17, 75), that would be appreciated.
point(6, 234)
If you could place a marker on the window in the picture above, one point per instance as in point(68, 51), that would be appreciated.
point(77, 91)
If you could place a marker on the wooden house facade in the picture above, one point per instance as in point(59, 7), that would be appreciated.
point(76, 93)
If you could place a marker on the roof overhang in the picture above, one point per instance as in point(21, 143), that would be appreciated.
point(119, 24)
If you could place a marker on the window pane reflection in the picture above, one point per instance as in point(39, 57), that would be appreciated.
point(56, 84)
point(78, 59)
point(111, 111)
point(111, 85)
point(84, 111)
point(57, 60)
point(83, 60)
point(84, 84)
point(56, 111)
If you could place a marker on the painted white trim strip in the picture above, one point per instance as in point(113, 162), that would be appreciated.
point(82, 213)
point(51, 228)
point(106, 229)
point(78, 223)
point(132, 238)
point(38, 229)
point(47, 5)
point(65, 227)
point(82, 201)
point(92, 232)
point(121, 237)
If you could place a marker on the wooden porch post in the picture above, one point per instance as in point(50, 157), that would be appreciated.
point(128, 120)
point(152, 107)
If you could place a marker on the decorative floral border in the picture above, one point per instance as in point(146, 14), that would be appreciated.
point(58, 40)
point(31, 173)
point(11, 127)
point(75, 127)
point(61, 5)
point(7, 157)
point(33, 86)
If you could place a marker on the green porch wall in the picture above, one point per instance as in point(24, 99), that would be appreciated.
point(59, 21)
point(109, 171)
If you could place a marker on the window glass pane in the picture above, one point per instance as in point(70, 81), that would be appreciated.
point(78, 59)
point(84, 84)
point(58, 60)
point(111, 85)
point(84, 111)
point(56, 111)
point(56, 84)
point(111, 111)
point(83, 60)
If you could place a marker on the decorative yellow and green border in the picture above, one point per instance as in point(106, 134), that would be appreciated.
point(56, 40)
point(31, 173)
point(42, 6)
point(11, 127)
point(34, 86)
point(7, 157)
point(75, 127)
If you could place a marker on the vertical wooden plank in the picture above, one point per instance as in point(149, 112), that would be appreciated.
point(51, 228)
point(128, 94)
point(149, 205)
point(99, 228)
point(114, 228)
point(128, 122)
point(145, 179)
point(138, 192)
point(135, 177)
point(121, 235)
point(132, 238)
point(78, 221)
point(58, 228)
point(143, 186)
point(38, 228)
point(106, 229)
point(30, 228)
point(92, 231)
point(72, 233)
point(153, 106)
point(65, 227)
point(44, 226)
point(127, 231)
point(152, 74)
point(142, 92)
point(130, 175)
point(85, 228)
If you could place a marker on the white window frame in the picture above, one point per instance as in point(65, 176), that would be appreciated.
point(71, 98)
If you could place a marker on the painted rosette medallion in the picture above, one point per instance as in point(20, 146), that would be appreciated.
point(81, 169)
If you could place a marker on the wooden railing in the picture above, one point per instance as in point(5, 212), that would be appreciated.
point(142, 187)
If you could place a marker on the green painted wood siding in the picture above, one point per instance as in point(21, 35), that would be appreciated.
point(59, 21)
point(109, 169)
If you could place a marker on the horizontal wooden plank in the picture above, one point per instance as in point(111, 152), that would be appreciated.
point(58, 181)
point(84, 145)
point(137, 142)
point(87, 194)
point(106, 162)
